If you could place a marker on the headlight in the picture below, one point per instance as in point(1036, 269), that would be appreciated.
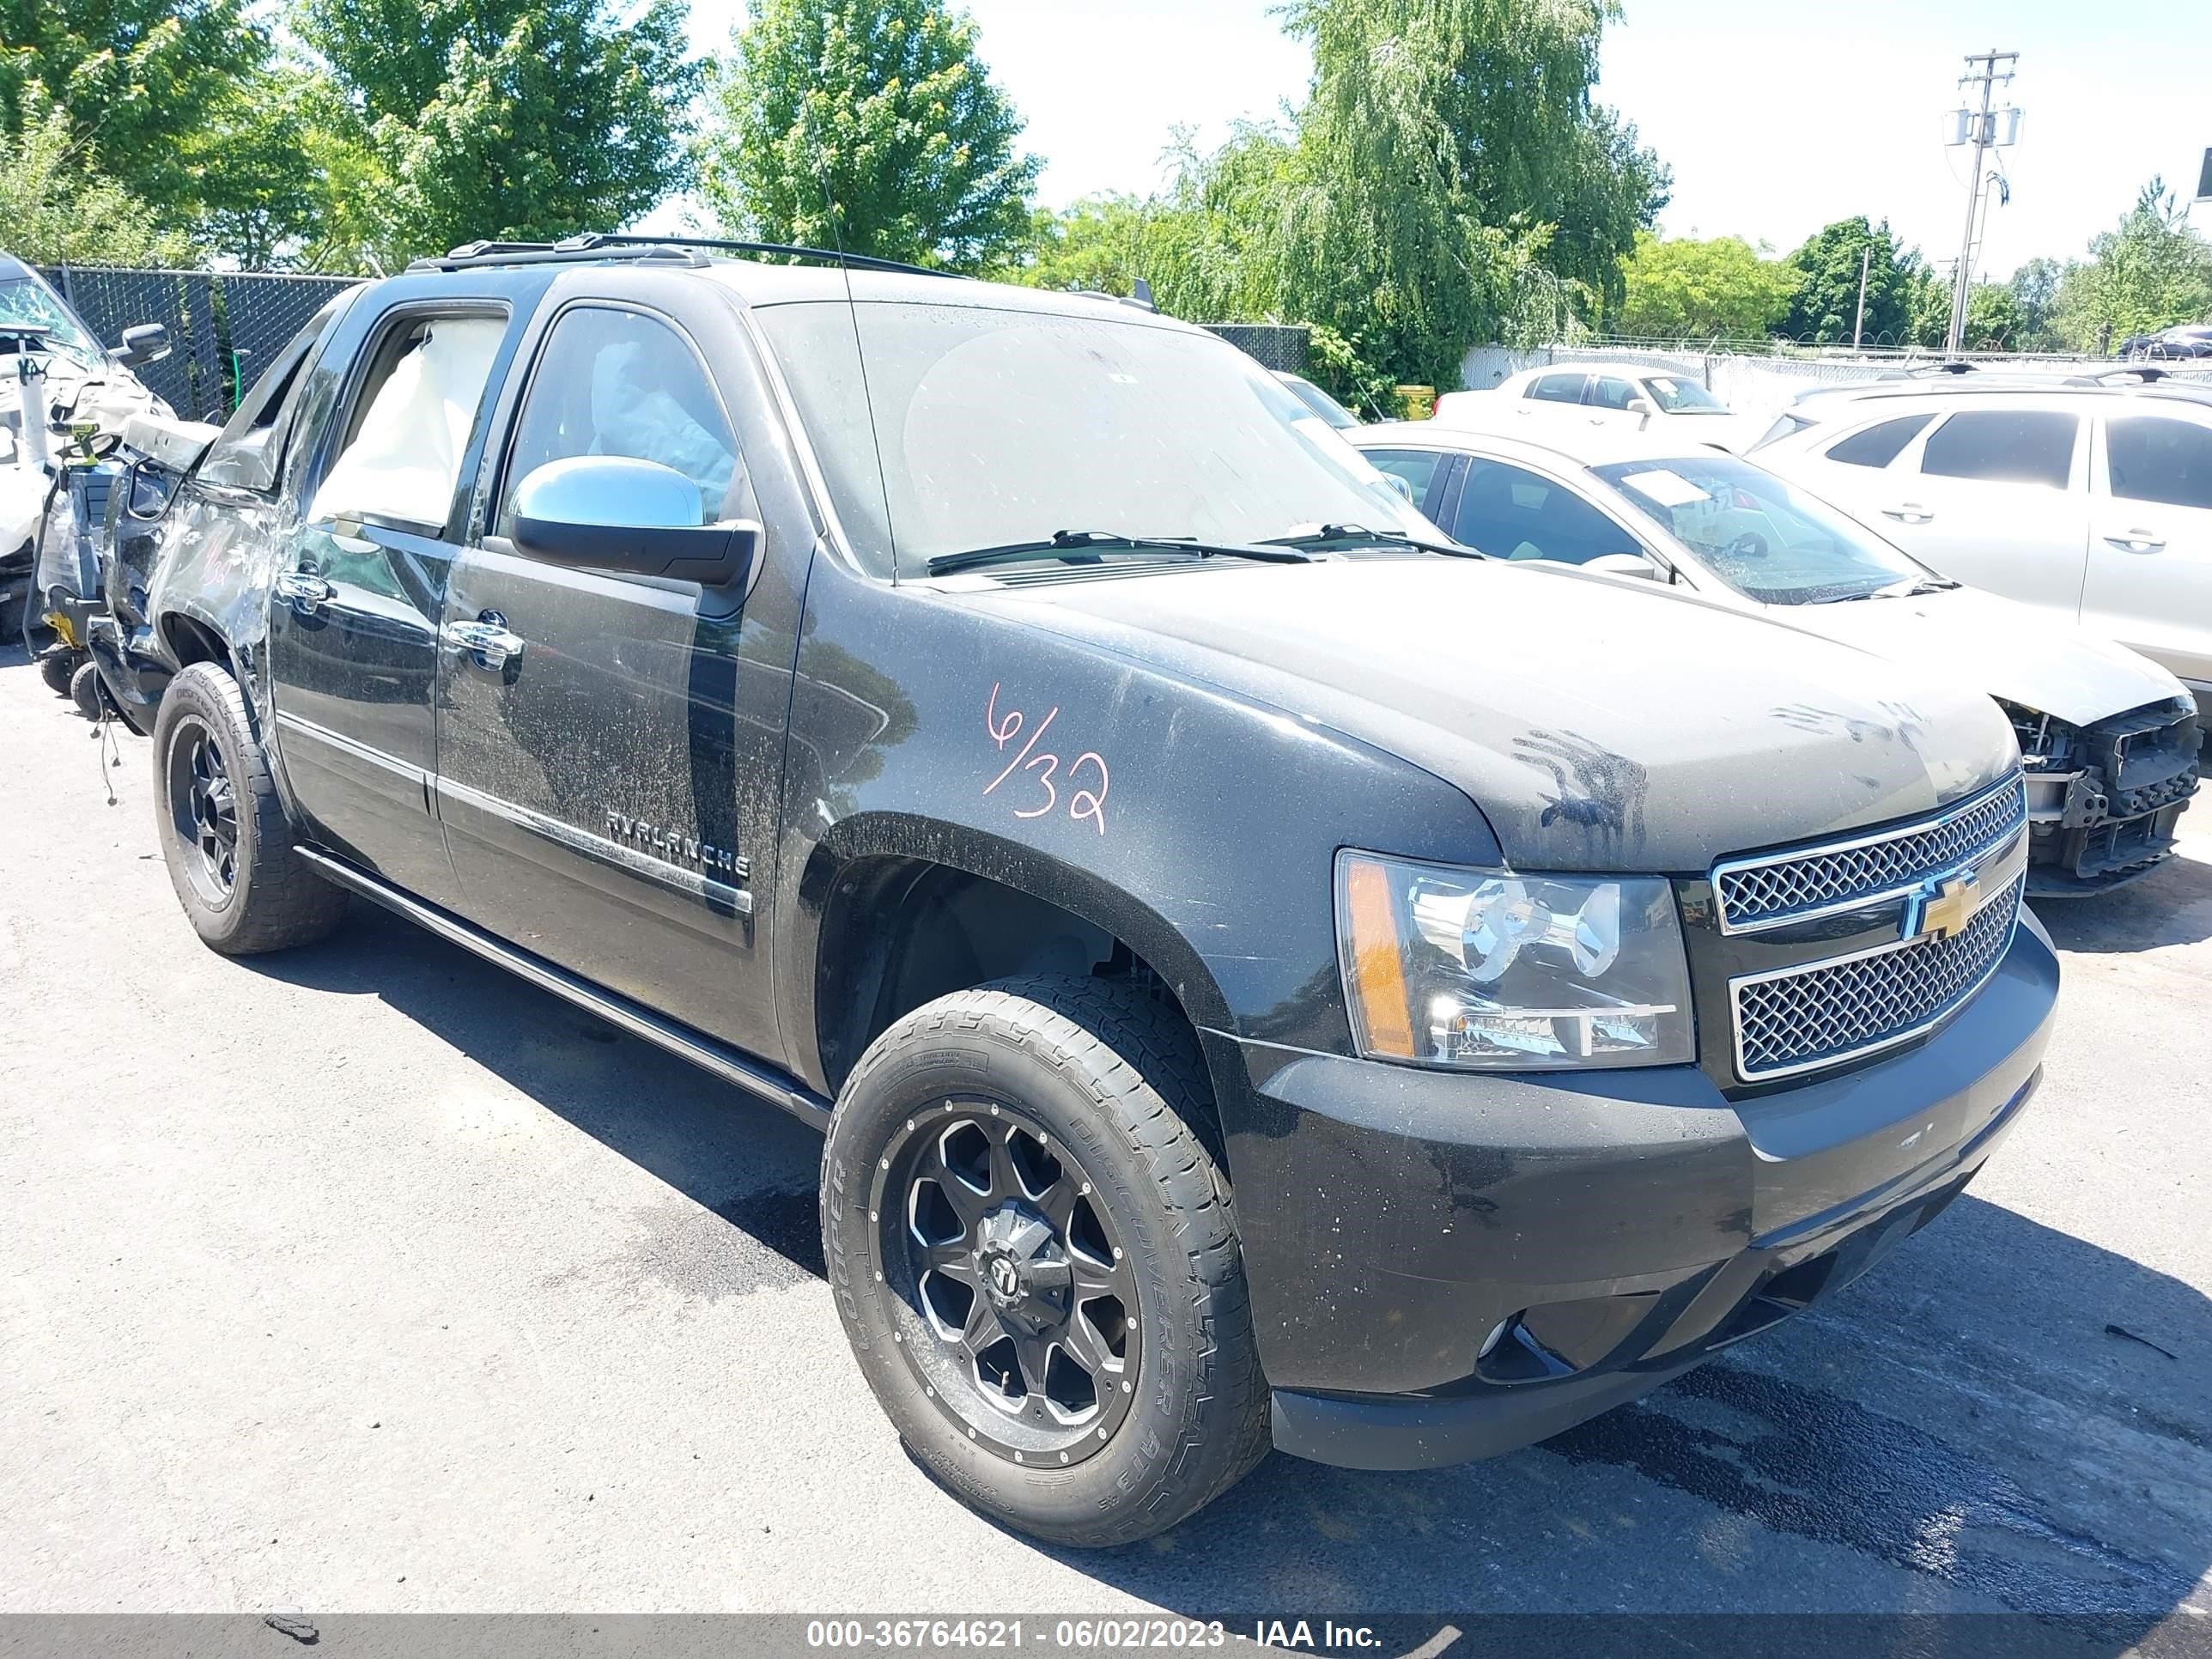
point(1457, 967)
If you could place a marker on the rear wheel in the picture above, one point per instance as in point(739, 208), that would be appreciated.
point(55, 668)
point(1036, 1260)
point(223, 831)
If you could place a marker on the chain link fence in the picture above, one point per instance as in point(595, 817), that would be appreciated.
point(224, 327)
point(1283, 347)
point(1761, 381)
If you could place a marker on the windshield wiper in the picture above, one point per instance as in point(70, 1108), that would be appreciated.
point(1335, 535)
point(1077, 546)
point(1906, 589)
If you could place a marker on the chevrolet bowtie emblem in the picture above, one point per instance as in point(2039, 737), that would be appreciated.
point(1941, 910)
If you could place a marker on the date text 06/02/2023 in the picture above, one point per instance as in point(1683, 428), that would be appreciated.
point(1088, 1635)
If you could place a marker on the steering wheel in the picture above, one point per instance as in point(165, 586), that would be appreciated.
point(1749, 546)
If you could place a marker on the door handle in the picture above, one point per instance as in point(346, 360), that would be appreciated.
point(305, 591)
point(1908, 512)
point(488, 640)
point(2138, 541)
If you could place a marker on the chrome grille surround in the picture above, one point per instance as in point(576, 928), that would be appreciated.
point(1774, 890)
point(1822, 1014)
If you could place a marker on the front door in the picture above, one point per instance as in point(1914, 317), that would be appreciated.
point(2150, 542)
point(608, 765)
point(353, 629)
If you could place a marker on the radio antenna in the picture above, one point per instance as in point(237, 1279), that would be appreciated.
point(860, 356)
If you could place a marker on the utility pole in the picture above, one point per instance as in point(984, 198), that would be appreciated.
point(1982, 71)
point(1858, 323)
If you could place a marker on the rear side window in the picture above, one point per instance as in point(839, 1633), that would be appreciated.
point(1418, 467)
point(2003, 446)
point(1559, 388)
point(1879, 444)
point(612, 382)
point(2157, 460)
point(1518, 515)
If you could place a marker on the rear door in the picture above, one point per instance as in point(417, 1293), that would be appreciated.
point(608, 780)
point(353, 628)
point(1995, 494)
point(2150, 543)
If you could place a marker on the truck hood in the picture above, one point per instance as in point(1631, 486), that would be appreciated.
point(1596, 728)
point(1997, 646)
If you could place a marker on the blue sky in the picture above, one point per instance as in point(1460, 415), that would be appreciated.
point(1778, 115)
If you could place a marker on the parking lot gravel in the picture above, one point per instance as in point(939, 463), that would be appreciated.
point(367, 1278)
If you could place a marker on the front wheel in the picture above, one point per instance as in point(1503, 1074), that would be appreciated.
point(223, 831)
point(1036, 1262)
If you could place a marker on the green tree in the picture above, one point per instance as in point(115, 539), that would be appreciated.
point(1996, 319)
point(1678, 289)
point(2035, 286)
point(1826, 301)
point(522, 119)
point(58, 207)
point(2148, 273)
point(155, 82)
point(881, 106)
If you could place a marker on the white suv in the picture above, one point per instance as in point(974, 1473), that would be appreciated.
point(2089, 498)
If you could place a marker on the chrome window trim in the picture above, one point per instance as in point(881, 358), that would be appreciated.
point(2015, 781)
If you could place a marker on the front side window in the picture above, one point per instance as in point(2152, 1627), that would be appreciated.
point(2156, 458)
point(1767, 539)
point(1418, 467)
point(1676, 396)
point(1880, 443)
point(611, 382)
point(2003, 446)
point(1514, 513)
point(1613, 391)
point(979, 427)
point(408, 427)
point(1559, 388)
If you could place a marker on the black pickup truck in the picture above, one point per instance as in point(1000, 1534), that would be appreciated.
point(1265, 973)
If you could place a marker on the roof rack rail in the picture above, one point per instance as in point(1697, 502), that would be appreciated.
point(470, 256)
point(2142, 371)
point(790, 249)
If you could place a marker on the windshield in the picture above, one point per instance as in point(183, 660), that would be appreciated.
point(998, 426)
point(1768, 540)
point(1679, 396)
point(27, 300)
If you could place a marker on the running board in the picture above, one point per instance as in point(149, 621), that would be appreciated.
point(701, 1050)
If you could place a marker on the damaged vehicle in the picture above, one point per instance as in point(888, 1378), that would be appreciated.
point(63, 402)
point(2108, 738)
point(1266, 974)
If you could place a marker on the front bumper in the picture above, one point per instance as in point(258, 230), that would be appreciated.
point(1447, 1266)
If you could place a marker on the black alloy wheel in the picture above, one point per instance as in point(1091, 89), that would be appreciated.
point(205, 808)
point(1017, 1312)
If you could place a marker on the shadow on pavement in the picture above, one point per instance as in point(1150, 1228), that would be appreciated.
point(1980, 1424)
point(2172, 905)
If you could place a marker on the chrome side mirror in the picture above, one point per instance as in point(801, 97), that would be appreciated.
point(612, 512)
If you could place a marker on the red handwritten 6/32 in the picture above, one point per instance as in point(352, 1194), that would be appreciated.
point(1042, 768)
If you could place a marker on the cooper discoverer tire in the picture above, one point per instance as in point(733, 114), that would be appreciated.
point(223, 831)
point(1036, 1260)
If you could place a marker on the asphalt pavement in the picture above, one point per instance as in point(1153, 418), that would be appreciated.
point(366, 1278)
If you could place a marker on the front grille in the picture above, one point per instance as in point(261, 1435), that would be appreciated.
point(1825, 1012)
point(1772, 890)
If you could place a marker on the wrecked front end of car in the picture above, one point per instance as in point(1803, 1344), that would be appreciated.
point(2104, 799)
